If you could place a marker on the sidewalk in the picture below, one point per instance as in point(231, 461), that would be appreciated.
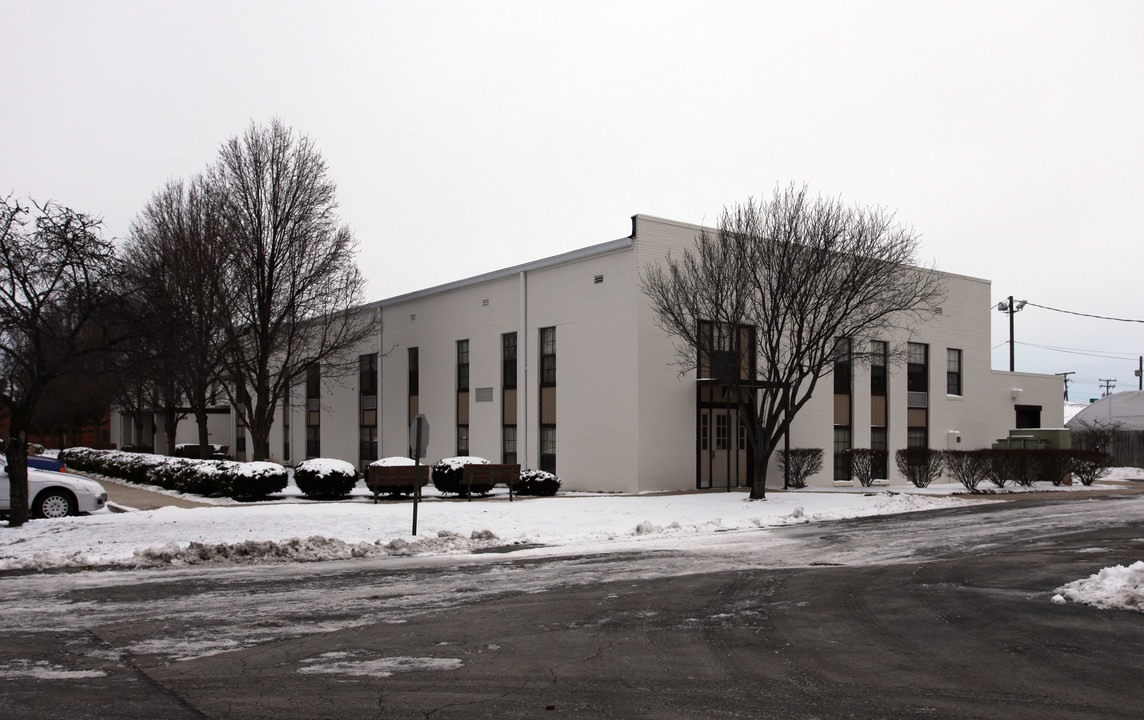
point(136, 498)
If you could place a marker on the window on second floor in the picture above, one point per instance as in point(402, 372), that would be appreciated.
point(917, 367)
point(508, 361)
point(548, 356)
point(462, 366)
point(842, 366)
point(953, 371)
point(414, 382)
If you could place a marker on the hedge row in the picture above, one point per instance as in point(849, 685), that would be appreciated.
point(241, 481)
point(448, 476)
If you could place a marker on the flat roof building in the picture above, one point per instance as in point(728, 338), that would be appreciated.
point(558, 364)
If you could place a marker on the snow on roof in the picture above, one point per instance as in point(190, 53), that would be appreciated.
point(1125, 408)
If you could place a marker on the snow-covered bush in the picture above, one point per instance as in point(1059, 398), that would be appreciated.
point(537, 482)
point(921, 466)
point(184, 475)
point(968, 467)
point(325, 478)
point(801, 464)
point(448, 475)
point(250, 480)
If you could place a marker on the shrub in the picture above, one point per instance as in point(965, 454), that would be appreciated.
point(250, 480)
point(1088, 466)
point(921, 466)
point(1053, 465)
point(201, 477)
point(968, 467)
point(865, 463)
point(325, 479)
point(802, 463)
point(448, 475)
point(537, 482)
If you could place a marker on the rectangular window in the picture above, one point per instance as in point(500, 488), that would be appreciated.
point(548, 448)
point(842, 366)
point(953, 371)
point(508, 442)
point(841, 459)
point(462, 366)
point(313, 410)
point(880, 441)
point(462, 439)
point(367, 406)
point(508, 361)
point(879, 359)
point(722, 432)
point(742, 436)
point(548, 356)
point(286, 425)
point(917, 367)
point(313, 380)
point(704, 431)
point(414, 381)
point(917, 437)
point(367, 374)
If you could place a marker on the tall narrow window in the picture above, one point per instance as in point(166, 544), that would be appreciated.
point(313, 411)
point(548, 399)
point(508, 451)
point(367, 404)
point(462, 439)
point(879, 354)
point(953, 371)
point(879, 411)
point(842, 366)
point(548, 356)
point(508, 361)
point(548, 448)
point(842, 443)
point(286, 424)
point(917, 360)
point(414, 383)
point(508, 399)
point(721, 431)
point(462, 366)
point(917, 395)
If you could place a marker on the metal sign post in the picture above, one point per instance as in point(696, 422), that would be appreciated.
point(418, 444)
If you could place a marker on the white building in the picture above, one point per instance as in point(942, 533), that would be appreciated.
point(559, 364)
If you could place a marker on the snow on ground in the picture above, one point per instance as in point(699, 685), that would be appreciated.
point(291, 528)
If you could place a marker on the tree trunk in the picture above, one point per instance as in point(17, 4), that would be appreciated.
point(759, 486)
point(170, 428)
point(201, 419)
point(17, 456)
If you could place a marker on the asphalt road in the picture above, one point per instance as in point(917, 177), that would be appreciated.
point(935, 615)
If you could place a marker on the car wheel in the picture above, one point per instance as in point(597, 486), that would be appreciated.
point(54, 504)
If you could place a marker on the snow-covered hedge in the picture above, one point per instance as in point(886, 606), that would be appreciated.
point(325, 478)
point(537, 482)
point(201, 477)
point(448, 475)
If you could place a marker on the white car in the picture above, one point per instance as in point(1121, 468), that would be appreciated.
point(54, 494)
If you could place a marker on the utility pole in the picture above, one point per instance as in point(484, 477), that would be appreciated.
point(1140, 373)
point(1065, 375)
point(1011, 307)
point(1108, 385)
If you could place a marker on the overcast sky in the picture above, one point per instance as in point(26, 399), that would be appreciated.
point(469, 136)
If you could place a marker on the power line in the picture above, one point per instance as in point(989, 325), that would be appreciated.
point(1077, 351)
point(1088, 315)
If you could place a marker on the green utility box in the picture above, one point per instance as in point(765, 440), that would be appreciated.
point(1036, 439)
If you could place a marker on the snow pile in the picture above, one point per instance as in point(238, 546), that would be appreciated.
point(353, 663)
point(460, 461)
point(1113, 588)
point(395, 461)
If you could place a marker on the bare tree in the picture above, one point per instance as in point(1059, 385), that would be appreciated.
point(58, 284)
point(292, 267)
point(178, 258)
point(792, 274)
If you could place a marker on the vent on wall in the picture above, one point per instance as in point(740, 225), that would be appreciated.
point(485, 302)
point(937, 311)
point(598, 279)
point(412, 317)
